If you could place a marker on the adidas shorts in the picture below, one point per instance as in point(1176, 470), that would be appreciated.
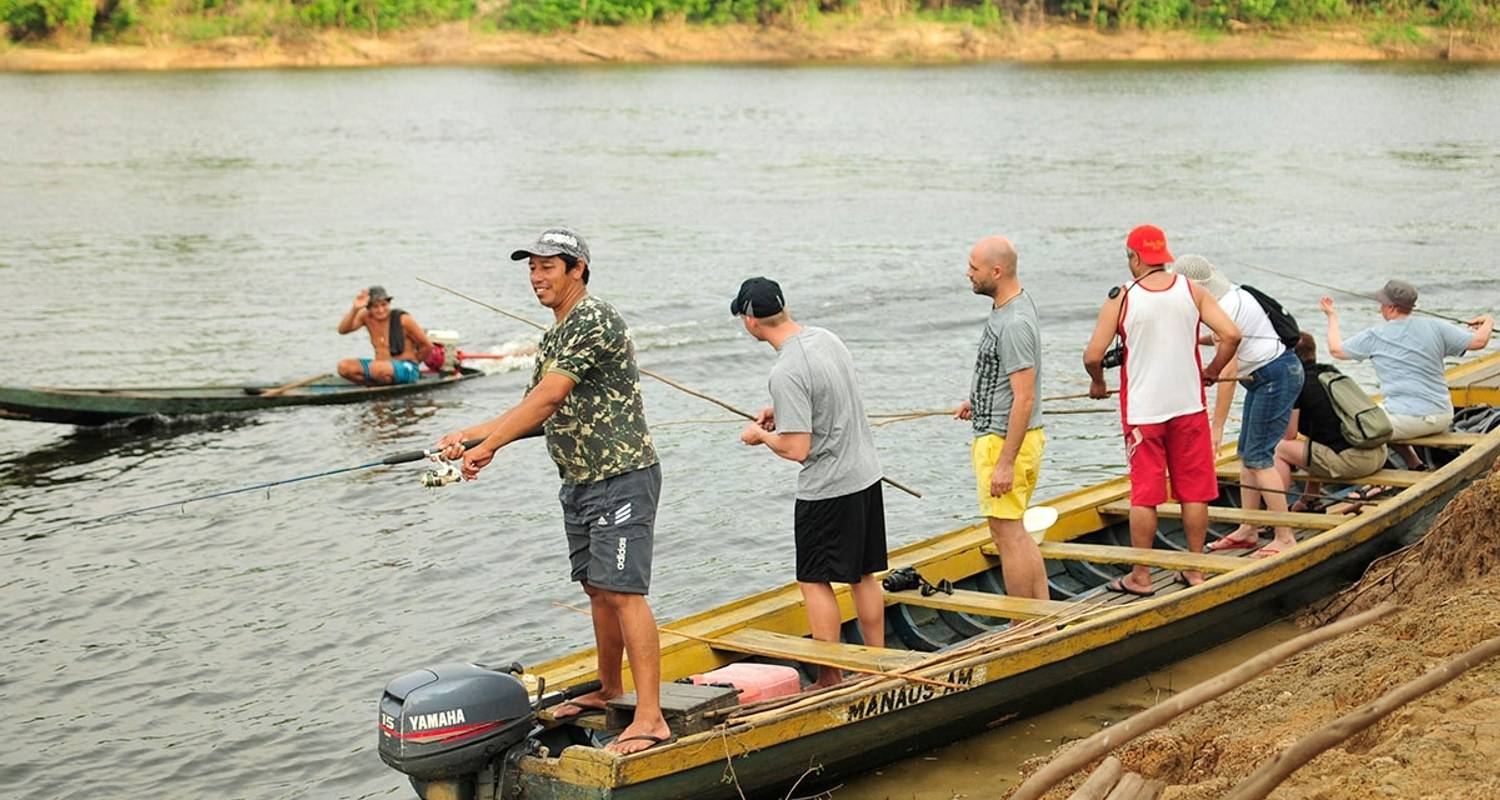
point(610, 526)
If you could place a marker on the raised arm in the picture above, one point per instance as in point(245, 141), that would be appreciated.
point(1335, 336)
point(354, 318)
point(1483, 325)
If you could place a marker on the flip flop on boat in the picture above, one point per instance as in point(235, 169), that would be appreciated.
point(1119, 585)
point(583, 711)
point(1226, 543)
point(1268, 551)
point(656, 741)
point(1181, 580)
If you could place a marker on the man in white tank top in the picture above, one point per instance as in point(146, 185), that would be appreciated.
point(1162, 402)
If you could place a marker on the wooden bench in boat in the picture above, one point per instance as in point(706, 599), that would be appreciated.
point(1121, 508)
point(753, 641)
point(984, 604)
point(1399, 478)
point(1446, 439)
point(1119, 554)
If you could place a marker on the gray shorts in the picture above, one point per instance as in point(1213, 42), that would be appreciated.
point(610, 526)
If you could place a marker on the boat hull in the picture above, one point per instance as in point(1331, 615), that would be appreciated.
point(92, 407)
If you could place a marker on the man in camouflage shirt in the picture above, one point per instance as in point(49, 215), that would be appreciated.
point(585, 394)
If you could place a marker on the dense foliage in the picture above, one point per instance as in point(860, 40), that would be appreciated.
point(178, 20)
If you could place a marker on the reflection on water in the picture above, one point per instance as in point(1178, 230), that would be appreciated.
point(210, 228)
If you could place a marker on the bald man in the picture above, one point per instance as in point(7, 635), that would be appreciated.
point(1005, 407)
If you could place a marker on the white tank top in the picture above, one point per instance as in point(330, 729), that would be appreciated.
point(1161, 376)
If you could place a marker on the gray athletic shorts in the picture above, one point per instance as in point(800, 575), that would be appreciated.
point(610, 526)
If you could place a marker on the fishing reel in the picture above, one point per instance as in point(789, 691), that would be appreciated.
point(445, 473)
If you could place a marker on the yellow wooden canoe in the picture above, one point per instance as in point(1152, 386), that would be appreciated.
point(1053, 652)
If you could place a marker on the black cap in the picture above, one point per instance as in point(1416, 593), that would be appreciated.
point(378, 293)
point(758, 298)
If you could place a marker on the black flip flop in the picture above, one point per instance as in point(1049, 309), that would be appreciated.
point(656, 741)
point(1181, 580)
point(583, 711)
point(1119, 585)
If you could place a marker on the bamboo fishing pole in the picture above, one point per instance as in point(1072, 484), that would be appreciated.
point(1342, 290)
point(648, 373)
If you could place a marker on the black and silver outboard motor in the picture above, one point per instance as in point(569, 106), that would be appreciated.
point(444, 725)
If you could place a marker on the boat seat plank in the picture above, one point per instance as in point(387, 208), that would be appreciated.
point(1447, 439)
point(1121, 508)
point(1398, 478)
point(1160, 558)
point(753, 641)
point(985, 604)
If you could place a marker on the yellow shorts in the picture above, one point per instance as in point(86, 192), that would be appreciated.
point(1028, 465)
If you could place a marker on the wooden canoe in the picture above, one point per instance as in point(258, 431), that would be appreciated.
point(103, 406)
point(1083, 640)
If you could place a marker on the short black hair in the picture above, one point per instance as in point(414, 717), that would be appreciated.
point(570, 262)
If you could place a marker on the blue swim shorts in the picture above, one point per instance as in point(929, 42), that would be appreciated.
point(404, 371)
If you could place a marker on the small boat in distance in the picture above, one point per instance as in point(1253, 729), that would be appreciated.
point(102, 406)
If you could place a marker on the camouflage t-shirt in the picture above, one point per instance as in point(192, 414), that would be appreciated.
point(600, 429)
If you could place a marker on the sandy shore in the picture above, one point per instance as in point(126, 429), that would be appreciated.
point(1443, 746)
point(837, 40)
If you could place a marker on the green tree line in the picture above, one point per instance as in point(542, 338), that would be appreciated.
point(137, 21)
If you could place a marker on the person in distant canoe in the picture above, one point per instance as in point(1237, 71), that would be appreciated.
point(585, 394)
point(1006, 409)
point(400, 343)
point(817, 419)
point(1408, 353)
point(1162, 401)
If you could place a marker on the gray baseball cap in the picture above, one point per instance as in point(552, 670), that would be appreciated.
point(1399, 294)
point(556, 242)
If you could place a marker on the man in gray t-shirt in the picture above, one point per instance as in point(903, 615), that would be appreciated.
point(1006, 409)
point(817, 420)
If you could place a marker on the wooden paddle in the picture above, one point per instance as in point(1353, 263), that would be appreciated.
point(286, 387)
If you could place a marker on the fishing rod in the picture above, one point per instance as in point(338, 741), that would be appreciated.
point(437, 479)
point(648, 373)
point(1341, 289)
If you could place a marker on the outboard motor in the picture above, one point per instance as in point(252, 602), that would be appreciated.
point(444, 356)
point(449, 722)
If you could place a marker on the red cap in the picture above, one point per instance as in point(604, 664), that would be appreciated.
point(1150, 244)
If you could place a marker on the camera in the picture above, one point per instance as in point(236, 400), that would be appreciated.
point(1113, 357)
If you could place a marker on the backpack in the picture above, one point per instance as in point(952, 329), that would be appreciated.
point(1285, 325)
point(1364, 424)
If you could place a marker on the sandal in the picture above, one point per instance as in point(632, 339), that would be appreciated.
point(1267, 552)
point(1119, 585)
point(1225, 543)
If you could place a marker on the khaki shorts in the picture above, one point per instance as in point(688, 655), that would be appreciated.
point(1355, 462)
point(986, 452)
point(1405, 427)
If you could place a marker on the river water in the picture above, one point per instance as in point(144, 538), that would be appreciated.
point(211, 227)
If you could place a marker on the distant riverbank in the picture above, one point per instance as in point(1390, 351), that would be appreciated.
point(834, 40)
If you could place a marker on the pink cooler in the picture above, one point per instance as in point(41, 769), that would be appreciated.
point(755, 681)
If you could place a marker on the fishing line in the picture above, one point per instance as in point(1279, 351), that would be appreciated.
point(648, 373)
point(390, 460)
point(1341, 289)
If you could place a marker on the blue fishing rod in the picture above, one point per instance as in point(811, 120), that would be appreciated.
point(436, 478)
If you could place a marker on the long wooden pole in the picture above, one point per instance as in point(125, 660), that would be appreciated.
point(1264, 780)
point(740, 647)
point(1115, 735)
point(648, 373)
point(298, 384)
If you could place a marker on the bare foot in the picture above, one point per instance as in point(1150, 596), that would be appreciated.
point(641, 735)
point(580, 705)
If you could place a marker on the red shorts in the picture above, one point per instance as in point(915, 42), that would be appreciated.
point(1182, 447)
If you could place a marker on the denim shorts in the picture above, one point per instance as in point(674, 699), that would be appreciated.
point(1270, 394)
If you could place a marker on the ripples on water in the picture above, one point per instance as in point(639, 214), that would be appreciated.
point(212, 227)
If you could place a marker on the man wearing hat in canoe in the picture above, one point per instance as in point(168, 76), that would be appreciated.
point(817, 419)
point(1408, 355)
point(400, 343)
point(1162, 401)
point(1006, 409)
point(585, 393)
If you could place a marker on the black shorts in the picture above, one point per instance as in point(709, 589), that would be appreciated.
point(841, 539)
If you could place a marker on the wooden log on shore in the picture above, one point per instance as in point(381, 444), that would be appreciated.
point(1103, 779)
point(1116, 735)
point(1265, 779)
point(1126, 789)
